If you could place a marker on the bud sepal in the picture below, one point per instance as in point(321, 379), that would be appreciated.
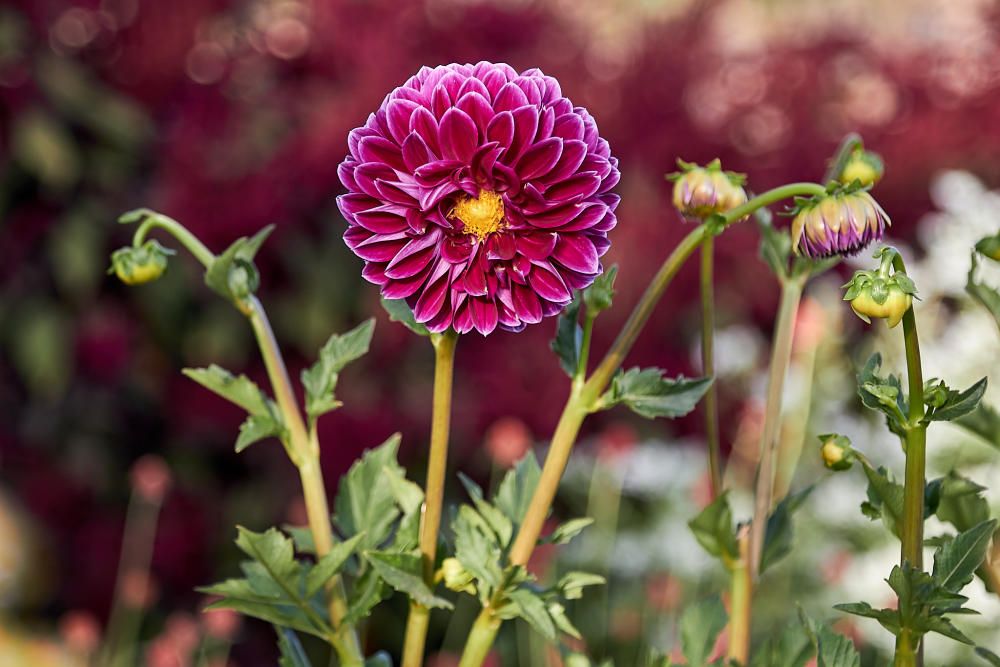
point(877, 294)
point(701, 192)
point(135, 265)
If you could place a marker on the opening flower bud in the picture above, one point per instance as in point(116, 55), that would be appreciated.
point(138, 265)
point(873, 294)
point(703, 191)
point(836, 451)
point(862, 166)
point(456, 577)
point(842, 222)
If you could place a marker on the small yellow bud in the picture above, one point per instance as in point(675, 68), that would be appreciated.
point(138, 265)
point(456, 577)
point(836, 451)
point(703, 191)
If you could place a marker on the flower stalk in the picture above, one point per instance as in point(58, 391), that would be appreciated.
point(584, 397)
point(740, 600)
point(444, 363)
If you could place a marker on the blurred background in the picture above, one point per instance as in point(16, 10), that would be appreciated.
point(230, 115)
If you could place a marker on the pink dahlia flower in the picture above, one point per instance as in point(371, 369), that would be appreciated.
point(480, 195)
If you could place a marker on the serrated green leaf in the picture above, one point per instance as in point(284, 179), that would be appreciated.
point(530, 607)
point(700, 626)
point(330, 564)
point(956, 562)
point(962, 503)
point(286, 616)
point(958, 404)
point(477, 549)
point(403, 573)
point(714, 530)
point(566, 531)
point(238, 389)
point(369, 589)
point(290, 648)
point(884, 496)
point(497, 520)
point(272, 549)
point(320, 379)
point(219, 275)
point(600, 294)
point(884, 394)
point(984, 421)
point(558, 614)
point(569, 338)
point(400, 312)
point(517, 487)
point(256, 428)
point(790, 649)
point(835, 650)
point(365, 502)
point(778, 533)
point(649, 394)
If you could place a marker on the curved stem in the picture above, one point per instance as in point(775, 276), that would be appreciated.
point(178, 231)
point(847, 146)
point(912, 533)
point(710, 400)
point(419, 618)
point(781, 352)
point(583, 398)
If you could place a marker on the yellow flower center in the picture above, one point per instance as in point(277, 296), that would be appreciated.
point(480, 216)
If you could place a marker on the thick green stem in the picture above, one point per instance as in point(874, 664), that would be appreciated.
point(583, 398)
point(906, 655)
point(740, 600)
point(419, 618)
point(912, 533)
point(781, 352)
point(710, 401)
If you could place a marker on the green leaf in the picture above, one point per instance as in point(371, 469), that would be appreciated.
point(981, 292)
point(884, 394)
point(233, 274)
point(962, 503)
point(713, 528)
point(529, 606)
point(984, 421)
point(271, 549)
point(365, 502)
point(988, 655)
point(292, 653)
point(649, 394)
point(369, 589)
point(565, 532)
point(700, 626)
point(778, 533)
point(562, 622)
point(885, 497)
point(477, 549)
point(256, 428)
point(792, 648)
point(599, 295)
point(956, 562)
point(403, 573)
point(238, 389)
point(571, 584)
point(958, 404)
point(517, 487)
point(569, 338)
point(833, 649)
point(775, 244)
point(497, 520)
point(400, 312)
point(265, 610)
point(330, 564)
point(320, 380)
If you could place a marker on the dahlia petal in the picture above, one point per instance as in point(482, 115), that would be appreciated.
point(416, 220)
point(577, 253)
point(531, 90)
point(367, 173)
point(452, 83)
point(406, 287)
point(415, 152)
point(557, 216)
point(398, 118)
point(345, 171)
point(392, 192)
point(525, 126)
point(381, 222)
point(374, 273)
point(457, 248)
point(377, 247)
point(462, 319)
point(474, 282)
point(500, 246)
point(509, 321)
point(494, 81)
point(377, 149)
point(610, 181)
point(431, 198)
point(501, 129)
point(589, 214)
point(440, 101)
point(436, 172)
point(527, 307)
point(411, 94)
point(474, 85)
point(509, 97)
point(423, 123)
point(433, 296)
point(414, 256)
point(458, 135)
point(601, 243)
point(539, 159)
point(568, 126)
point(484, 315)
point(574, 188)
point(478, 108)
point(537, 246)
point(546, 121)
point(351, 203)
point(574, 153)
point(547, 284)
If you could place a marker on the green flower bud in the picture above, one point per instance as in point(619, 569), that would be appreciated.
point(935, 393)
point(700, 192)
point(243, 278)
point(138, 265)
point(990, 247)
point(836, 451)
point(456, 577)
point(862, 166)
point(873, 294)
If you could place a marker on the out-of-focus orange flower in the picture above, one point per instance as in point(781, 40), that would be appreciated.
point(507, 441)
point(151, 478)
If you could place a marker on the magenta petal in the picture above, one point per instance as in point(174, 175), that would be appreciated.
point(501, 129)
point(484, 315)
point(536, 246)
point(433, 297)
point(458, 135)
point(500, 246)
point(509, 97)
point(407, 287)
point(377, 149)
point(525, 126)
point(415, 152)
point(588, 215)
point(423, 123)
point(576, 187)
point(456, 248)
point(350, 204)
point(526, 305)
point(381, 222)
point(376, 248)
point(414, 255)
point(475, 280)
point(434, 173)
point(577, 253)
point(547, 283)
point(572, 159)
point(539, 159)
point(568, 126)
point(477, 108)
point(398, 118)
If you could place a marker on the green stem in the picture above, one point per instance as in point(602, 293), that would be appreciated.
point(740, 600)
point(912, 536)
point(178, 231)
point(710, 400)
point(583, 398)
point(781, 352)
point(581, 365)
point(419, 618)
point(847, 146)
point(905, 656)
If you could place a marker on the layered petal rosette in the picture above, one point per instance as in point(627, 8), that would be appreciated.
point(480, 195)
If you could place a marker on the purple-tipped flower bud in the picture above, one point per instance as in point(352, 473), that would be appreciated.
point(703, 191)
point(138, 265)
point(842, 222)
point(836, 451)
point(862, 166)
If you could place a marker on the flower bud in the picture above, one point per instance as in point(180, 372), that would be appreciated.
point(873, 294)
point(990, 247)
point(137, 265)
point(456, 577)
point(862, 166)
point(841, 222)
point(703, 191)
point(836, 451)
